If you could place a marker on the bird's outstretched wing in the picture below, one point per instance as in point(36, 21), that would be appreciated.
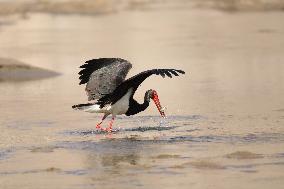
point(134, 83)
point(103, 75)
point(136, 80)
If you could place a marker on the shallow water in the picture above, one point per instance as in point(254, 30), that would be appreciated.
point(225, 116)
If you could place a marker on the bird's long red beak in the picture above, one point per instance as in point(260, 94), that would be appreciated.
point(155, 98)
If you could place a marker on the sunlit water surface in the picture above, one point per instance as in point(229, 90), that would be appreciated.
point(225, 116)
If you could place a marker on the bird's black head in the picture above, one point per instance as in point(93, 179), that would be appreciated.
point(152, 94)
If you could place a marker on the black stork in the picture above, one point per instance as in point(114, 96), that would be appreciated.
point(105, 78)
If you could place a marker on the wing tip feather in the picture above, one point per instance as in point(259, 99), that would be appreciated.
point(180, 71)
point(168, 72)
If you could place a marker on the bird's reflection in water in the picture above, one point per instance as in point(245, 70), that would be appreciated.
point(116, 160)
point(112, 156)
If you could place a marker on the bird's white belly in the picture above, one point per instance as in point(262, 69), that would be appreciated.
point(122, 105)
point(96, 109)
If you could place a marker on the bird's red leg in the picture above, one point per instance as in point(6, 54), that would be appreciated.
point(99, 124)
point(109, 129)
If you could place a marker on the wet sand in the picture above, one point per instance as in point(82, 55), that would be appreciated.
point(15, 71)
point(225, 116)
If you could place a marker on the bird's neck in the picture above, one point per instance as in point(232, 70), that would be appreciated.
point(145, 103)
point(135, 107)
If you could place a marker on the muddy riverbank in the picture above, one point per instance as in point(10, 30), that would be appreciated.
point(16, 71)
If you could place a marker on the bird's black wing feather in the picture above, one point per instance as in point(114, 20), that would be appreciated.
point(136, 80)
point(103, 75)
point(134, 83)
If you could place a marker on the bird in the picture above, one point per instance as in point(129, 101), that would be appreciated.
point(112, 93)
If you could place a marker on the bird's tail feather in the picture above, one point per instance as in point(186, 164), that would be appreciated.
point(82, 106)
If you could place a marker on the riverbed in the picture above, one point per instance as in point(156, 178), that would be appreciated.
point(225, 116)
